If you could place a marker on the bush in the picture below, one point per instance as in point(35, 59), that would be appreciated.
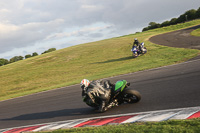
point(3, 61)
point(16, 58)
point(35, 54)
point(49, 50)
point(197, 15)
point(27, 56)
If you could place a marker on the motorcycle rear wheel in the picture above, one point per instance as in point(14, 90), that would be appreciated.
point(131, 96)
point(145, 50)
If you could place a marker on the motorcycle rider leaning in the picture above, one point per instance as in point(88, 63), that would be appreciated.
point(96, 90)
point(137, 43)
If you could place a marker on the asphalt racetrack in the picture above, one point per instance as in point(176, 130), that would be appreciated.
point(170, 87)
point(180, 39)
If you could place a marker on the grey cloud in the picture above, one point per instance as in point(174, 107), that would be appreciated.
point(36, 20)
point(96, 35)
point(27, 34)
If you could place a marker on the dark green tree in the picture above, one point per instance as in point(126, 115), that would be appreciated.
point(166, 23)
point(27, 56)
point(145, 29)
point(49, 50)
point(190, 15)
point(173, 21)
point(198, 13)
point(3, 61)
point(16, 58)
point(35, 54)
point(153, 25)
point(181, 18)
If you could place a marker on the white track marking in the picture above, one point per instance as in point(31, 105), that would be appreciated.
point(158, 117)
point(184, 114)
point(161, 115)
point(135, 118)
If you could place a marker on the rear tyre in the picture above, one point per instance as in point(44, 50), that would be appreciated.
point(145, 50)
point(131, 96)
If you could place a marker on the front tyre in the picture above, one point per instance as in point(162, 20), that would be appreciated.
point(135, 55)
point(131, 96)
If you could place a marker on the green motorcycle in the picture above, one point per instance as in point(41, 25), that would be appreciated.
point(119, 93)
point(122, 94)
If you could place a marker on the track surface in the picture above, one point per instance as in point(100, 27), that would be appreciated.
point(181, 38)
point(170, 87)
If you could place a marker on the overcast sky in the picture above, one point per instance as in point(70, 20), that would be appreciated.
point(28, 26)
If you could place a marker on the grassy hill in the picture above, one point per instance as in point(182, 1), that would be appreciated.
point(94, 60)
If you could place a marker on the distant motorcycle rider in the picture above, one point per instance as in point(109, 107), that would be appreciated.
point(96, 91)
point(137, 43)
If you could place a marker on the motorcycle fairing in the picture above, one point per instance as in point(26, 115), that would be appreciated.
point(120, 85)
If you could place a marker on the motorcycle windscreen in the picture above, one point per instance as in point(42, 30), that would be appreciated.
point(120, 85)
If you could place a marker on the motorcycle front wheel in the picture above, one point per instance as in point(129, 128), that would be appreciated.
point(131, 96)
point(135, 55)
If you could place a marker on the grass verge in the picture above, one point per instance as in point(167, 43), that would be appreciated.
point(196, 32)
point(94, 60)
point(170, 126)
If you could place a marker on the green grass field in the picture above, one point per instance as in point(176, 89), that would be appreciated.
point(196, 32)
point(94, 60)
point(171, 126)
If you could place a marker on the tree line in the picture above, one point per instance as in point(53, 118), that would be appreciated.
point(17, 58)
point(187, 16)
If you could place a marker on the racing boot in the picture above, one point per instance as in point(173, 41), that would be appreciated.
point(102, 107)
